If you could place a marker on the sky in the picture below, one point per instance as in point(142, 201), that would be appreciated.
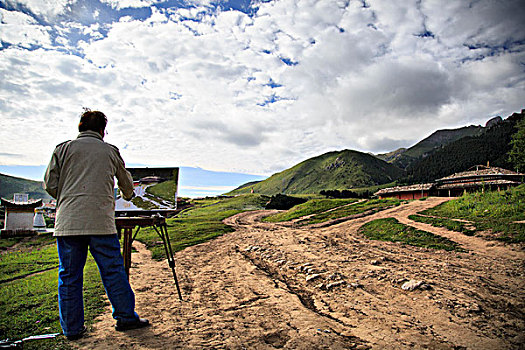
point(249, 86)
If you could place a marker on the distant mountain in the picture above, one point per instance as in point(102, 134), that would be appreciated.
point(10, 185)
point(441, 154)
point(491, 146)
point(334, 170)
point(391, 156)
point(248, 184)
point(403, 158)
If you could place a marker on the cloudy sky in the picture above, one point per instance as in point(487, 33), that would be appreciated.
point(253, 86)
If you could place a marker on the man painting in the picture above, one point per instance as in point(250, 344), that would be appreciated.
point(80, 176)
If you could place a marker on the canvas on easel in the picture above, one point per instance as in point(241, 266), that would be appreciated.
point(155, 192)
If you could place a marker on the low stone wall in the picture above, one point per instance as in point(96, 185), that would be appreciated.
point(16, 233)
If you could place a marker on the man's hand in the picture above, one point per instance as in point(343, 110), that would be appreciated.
point(130, 198)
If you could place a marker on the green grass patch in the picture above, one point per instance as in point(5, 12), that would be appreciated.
point(29, 306)
point(391, 230)
point(9, 242)
point(309, 196)
point(491, 211)
point(358, 208)
point(40, 240)
point(201, 223)
point(313, 206)
point(503, 230)
point(446, 223)
point(24, 262)
point(27, 241)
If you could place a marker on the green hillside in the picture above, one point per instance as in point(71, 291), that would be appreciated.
point(10, 185)
point(391, 156)
point(403, 158)
point(492, 146)
point(334, 170)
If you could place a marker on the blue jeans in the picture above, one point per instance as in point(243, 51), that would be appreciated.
point(72, 254)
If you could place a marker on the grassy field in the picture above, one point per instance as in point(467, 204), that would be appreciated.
point(28, 291)
point(391, 230)
point(201, 223)
point(494, 212)
point(28, 261)
point(9, 242)
point(313, 206)
point(358, 208)
point(449, 224)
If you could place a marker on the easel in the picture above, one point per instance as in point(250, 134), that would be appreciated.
point(158, 223)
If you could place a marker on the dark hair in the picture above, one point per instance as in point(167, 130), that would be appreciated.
point(92, 120)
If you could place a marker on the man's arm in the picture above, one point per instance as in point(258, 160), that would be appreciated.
point(52, 176)
point(124, 179)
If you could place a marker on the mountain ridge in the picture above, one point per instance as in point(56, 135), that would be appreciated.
point(404, 157)
point(10, 185)
point(491, 147)
point(331, 170)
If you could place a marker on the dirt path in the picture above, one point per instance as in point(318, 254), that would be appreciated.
point(268, 286)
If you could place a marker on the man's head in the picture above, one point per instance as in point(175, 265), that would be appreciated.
point(94, 121)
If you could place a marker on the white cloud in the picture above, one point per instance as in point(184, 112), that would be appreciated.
point(223, 90)
point(48, 9)
point(15, 18)
point(121, 4)
point(20, 29)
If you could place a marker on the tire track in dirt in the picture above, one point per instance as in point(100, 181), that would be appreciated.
point(228, 304)
point(464, 288)
point(475, 244)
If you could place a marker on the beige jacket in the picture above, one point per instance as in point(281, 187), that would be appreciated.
point(80, 176)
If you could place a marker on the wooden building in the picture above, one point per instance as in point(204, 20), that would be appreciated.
point(407, 192)
point(477, 178)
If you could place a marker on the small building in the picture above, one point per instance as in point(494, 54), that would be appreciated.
point(19, 215)
point(407, 192)
point(477, 178)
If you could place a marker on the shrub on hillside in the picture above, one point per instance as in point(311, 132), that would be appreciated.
point(283, 202)
point(345, 194)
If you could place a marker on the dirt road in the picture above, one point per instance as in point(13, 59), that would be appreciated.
point(268, 286)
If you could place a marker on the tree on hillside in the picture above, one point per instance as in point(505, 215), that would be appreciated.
point(492, 147)
point(517, 152)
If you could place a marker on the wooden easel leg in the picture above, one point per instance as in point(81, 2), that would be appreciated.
point(163, 233)
point(126, 249)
